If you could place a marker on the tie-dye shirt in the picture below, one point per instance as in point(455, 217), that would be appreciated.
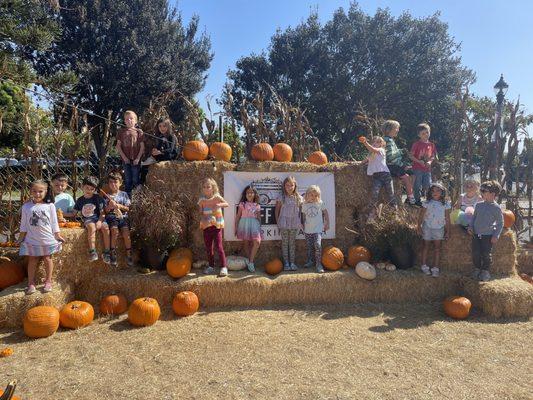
point(211, 216)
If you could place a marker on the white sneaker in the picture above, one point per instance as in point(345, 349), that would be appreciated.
point(425, 269)
point(294, 267)
point(286, 267)
point(223, 271)
point(250, 266)
point(435, 272)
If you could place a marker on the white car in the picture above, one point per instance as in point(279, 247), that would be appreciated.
point(8, 162)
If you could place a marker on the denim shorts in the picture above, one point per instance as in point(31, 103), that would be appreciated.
point(112, 221)
point(432, 234)
point(90, 220)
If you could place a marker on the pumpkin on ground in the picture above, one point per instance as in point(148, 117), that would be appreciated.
point(195, 150)
point(332, 258)
point(181, 252)
point(220, 151)
point(274, 267)
point(185, 303)
point(365, 270)
point(6, 352)
point(356, 254)
point(282, 152)
point(11, 273)
point(178, 267)
point(114, 304)
point(76, 314)
point(318, 158)
point(144, 312)
point(457, 307)
point(508, 218)
point(262, 152)
point(41, 321)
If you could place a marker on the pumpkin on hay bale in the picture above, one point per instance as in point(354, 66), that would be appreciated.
point(114, 304)
point(365, 270)
point(185, 304)
point(195, 150)
point(457, 307)
point(76, 314)
point(41, 321)
point(220, 151)
point(262, 152)
point(178, 267)
point(332, 258)
point(11, 273)
point(282, 152)
point(318, 158)
point(508, 218)
point(274, 267)
point(356, 254)
point(144, 311)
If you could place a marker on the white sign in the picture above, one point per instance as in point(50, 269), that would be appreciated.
point(268, 184)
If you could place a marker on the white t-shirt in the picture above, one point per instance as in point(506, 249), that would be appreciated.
point(435, 217)
point(314, 222)
point(377, 162)
point(39, 221)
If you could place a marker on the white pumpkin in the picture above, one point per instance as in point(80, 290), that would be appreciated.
point(381, 265)
point(365, 270)
point(390, 267)
point(236, 263)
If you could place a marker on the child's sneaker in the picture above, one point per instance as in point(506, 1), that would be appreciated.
point(93, 255)
point(475, 273)
point(425, 269)
point(319, 268)
point(250, 266)
point(129, 261)
point(47, 287)
point(30, 289)
point(435, 272)
point(113, 257)
point(294, 267)
point(308, 264)
point(410, 201)
point(209, 270)
point(286, 267)
point(223, 271)
point(484, 275)
point(106, 257)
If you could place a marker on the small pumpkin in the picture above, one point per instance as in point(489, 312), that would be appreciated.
point(356, 254)
point(178, 267)
point(76, 314)
point(274, 267)
point(11, 273)
point(6, 352)
point(144, 312)
point(365, 270)
point(114, 304)
point(332, 258)
point(318, 158)
point(181, 252)
point(220, 151)
point(41, 321)
point(508, 218)
point(262, 152)
point(185, 303)
point(457, 307)
point(282, 152)
point(195, 150)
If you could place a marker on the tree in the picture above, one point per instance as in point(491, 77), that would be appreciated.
point(127, 52)
point(402, 68)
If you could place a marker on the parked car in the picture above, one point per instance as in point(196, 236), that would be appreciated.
point(8, 162)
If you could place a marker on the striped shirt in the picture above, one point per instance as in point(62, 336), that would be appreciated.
point(211, 216)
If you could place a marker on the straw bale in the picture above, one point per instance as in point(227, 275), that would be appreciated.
point(525, 261)
point(509, 297)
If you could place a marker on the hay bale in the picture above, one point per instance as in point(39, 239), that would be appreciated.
point(525, 261)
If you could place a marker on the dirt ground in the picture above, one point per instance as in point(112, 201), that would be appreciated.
point(348, 352)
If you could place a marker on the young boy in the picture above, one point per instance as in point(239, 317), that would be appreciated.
point(117, 206)
point(485, 228)
point(423, 152)
point(130, 146)
point(63, 201)
point(394, 157)
point(91, 207)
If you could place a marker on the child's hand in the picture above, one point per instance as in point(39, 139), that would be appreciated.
point(362, 139)
point(326, 227)
point(493, 240)
point(59, 238)
point(470, 231)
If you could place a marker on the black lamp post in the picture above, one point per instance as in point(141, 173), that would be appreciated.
point(500, 89)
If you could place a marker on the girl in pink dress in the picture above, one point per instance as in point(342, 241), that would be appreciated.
point(248, 224)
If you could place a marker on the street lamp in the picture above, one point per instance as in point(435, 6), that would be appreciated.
point(500, 89)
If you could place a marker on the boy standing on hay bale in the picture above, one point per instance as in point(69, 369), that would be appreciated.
point(423, 152)
point(130, 147)
point(485, 228)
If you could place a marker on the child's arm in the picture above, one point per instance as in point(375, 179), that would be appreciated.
point(499, 227)
point(325, 217)
point(221, 202)
point(238, 218)
point(369, 147)
point(277, 210)
point(448, 223)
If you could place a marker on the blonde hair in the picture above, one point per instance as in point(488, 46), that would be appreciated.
point(129, 112)
point(389, 125)
point(213, 184)
point(285, 194)
point(472, 181)
point(380, 138)
point(313, 189)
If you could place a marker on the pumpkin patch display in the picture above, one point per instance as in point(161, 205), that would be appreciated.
point(178, 267)
point(220, 151)
point(185, 303)
point(457, 307)
point(318, 158)
point(365, 270)
point(11, 273)
point(41, 321)
point(262, 152)
point(114, 304)
point(508, 218)
point(356, 254)
point(76, 314)
point(332, 258)
point(274, 267)
point(144, 312)
point(195, 150)
point(282, 152)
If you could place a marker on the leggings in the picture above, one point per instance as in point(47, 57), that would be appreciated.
point(213, 235)
point(314, 248)
point(288, 244)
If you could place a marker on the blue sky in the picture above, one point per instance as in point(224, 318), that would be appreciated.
point(496, 37)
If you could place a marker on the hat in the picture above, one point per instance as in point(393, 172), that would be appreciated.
point(437, 185)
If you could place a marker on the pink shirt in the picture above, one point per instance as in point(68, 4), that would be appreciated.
point(249, 210)
point(424, 151)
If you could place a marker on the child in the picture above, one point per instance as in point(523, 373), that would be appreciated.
point(434, 223)
point(315, 220)
point(160, 147)
point(248, 224)
point(91, 207)
point(379, 171)
point(485, 228)
point(117, 204)
point(39, 233)
point(394, 157)
point(130, 147)
point(471, 196)
point(63, 201)
point(212, 223)
point(423, 152)
point(289, 222)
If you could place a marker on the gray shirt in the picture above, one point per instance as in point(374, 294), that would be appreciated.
point(488, 219)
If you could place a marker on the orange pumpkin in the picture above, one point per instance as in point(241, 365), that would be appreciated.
point(41, 321)
point(178, 267)
point(262, 152)
point(6, 352)
point(181, 252)
point(356, 254)
point(457, 307)
point(11, 273)
point(282, 152)
point(332, 258)
point(144, 312)
point(113, 304)
point(220, 151)
point(317, 158)
point(185, 303)
point(274, 267)
point(76, 314)
point(508, 218)
point(195, 150)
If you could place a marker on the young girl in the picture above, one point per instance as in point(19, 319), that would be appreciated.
point(315, 220)
point(288, 218)
point(248, 224)
point(39, 233)
point(212, 223)
point(471, 196)
point(434, 223)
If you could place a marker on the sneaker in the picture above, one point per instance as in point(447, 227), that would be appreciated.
point(30, 289)
point(209, 270)
point(484, 275)
point(410, 201)
point(294, 267)
point(129, 261)
point(425, 269)
point(143, 270)
point(418, 203)
point(435, 272)
point(309, 264)
point(223, 271)
point(250, 266)
point(286, 267)
point(47, 287)
point(106, 257)
point(113, 257)
point(475, 273)
point(319, 268)
point(93, 255)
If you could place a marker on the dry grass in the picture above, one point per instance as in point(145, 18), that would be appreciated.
point(525, 261)
point(365, 352)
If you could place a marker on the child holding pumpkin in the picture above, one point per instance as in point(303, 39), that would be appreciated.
point(212, 224)
point(39, 233)
point(248, 224)
point(315, 220)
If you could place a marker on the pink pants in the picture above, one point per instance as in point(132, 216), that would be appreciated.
point(213, 235)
